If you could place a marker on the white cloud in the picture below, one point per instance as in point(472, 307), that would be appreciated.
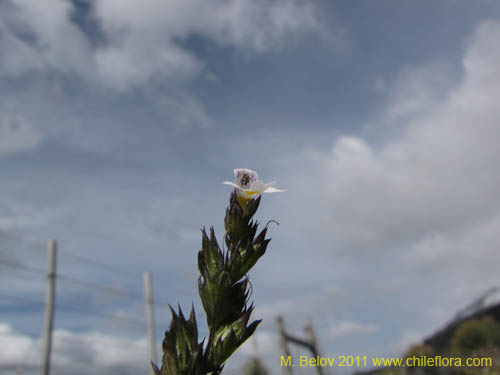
point(415, 90)
point(348, 328)
point(99, 350)
point(420, 210)
point(41, 36)
point(440, 176)
point(69, 72)
point(257, 25)
point(261, 25)
point(17, 134)
point(141, 43)
point(73, 351)
point(16, 349)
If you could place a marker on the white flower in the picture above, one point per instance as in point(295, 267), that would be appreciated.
point(248, 186)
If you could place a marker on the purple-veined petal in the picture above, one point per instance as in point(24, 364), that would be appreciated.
point(254, 187)
point(240, 172)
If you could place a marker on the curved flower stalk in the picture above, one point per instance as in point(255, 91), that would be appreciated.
point(223, 288)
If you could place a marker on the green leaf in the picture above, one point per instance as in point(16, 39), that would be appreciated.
point(182, 354)
point(229, 338)
point(224, 292)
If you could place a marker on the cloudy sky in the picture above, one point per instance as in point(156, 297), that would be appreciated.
point(119, 121)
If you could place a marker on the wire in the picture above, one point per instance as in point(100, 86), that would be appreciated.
point(132, 320)
point(104, 289)
point(92, 286)
point(85, 284)
point(79, 258)
point(76, 257)
point(109, 268)
point(73, 280)
point(104, 266)
point(22, 299)
point(18, 265)
point(21, 275)
point(107, 290)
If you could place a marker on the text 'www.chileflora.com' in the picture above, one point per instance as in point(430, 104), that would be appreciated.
point(365, 361)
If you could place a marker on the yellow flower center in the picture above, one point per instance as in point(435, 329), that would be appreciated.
point(245, 197)
point(242, 201)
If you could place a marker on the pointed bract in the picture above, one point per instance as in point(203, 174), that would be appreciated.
point(223, 287)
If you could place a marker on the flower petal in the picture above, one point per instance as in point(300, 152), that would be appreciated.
point(271, 189)
point(239, 171)
point(265, 188)
point(254, 188)
point(232, 184)
point(258, 186)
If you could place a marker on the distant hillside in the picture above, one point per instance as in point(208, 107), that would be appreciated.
point(440, 342)
point(486, 305)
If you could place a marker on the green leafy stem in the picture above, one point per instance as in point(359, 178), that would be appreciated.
point(223, 286)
